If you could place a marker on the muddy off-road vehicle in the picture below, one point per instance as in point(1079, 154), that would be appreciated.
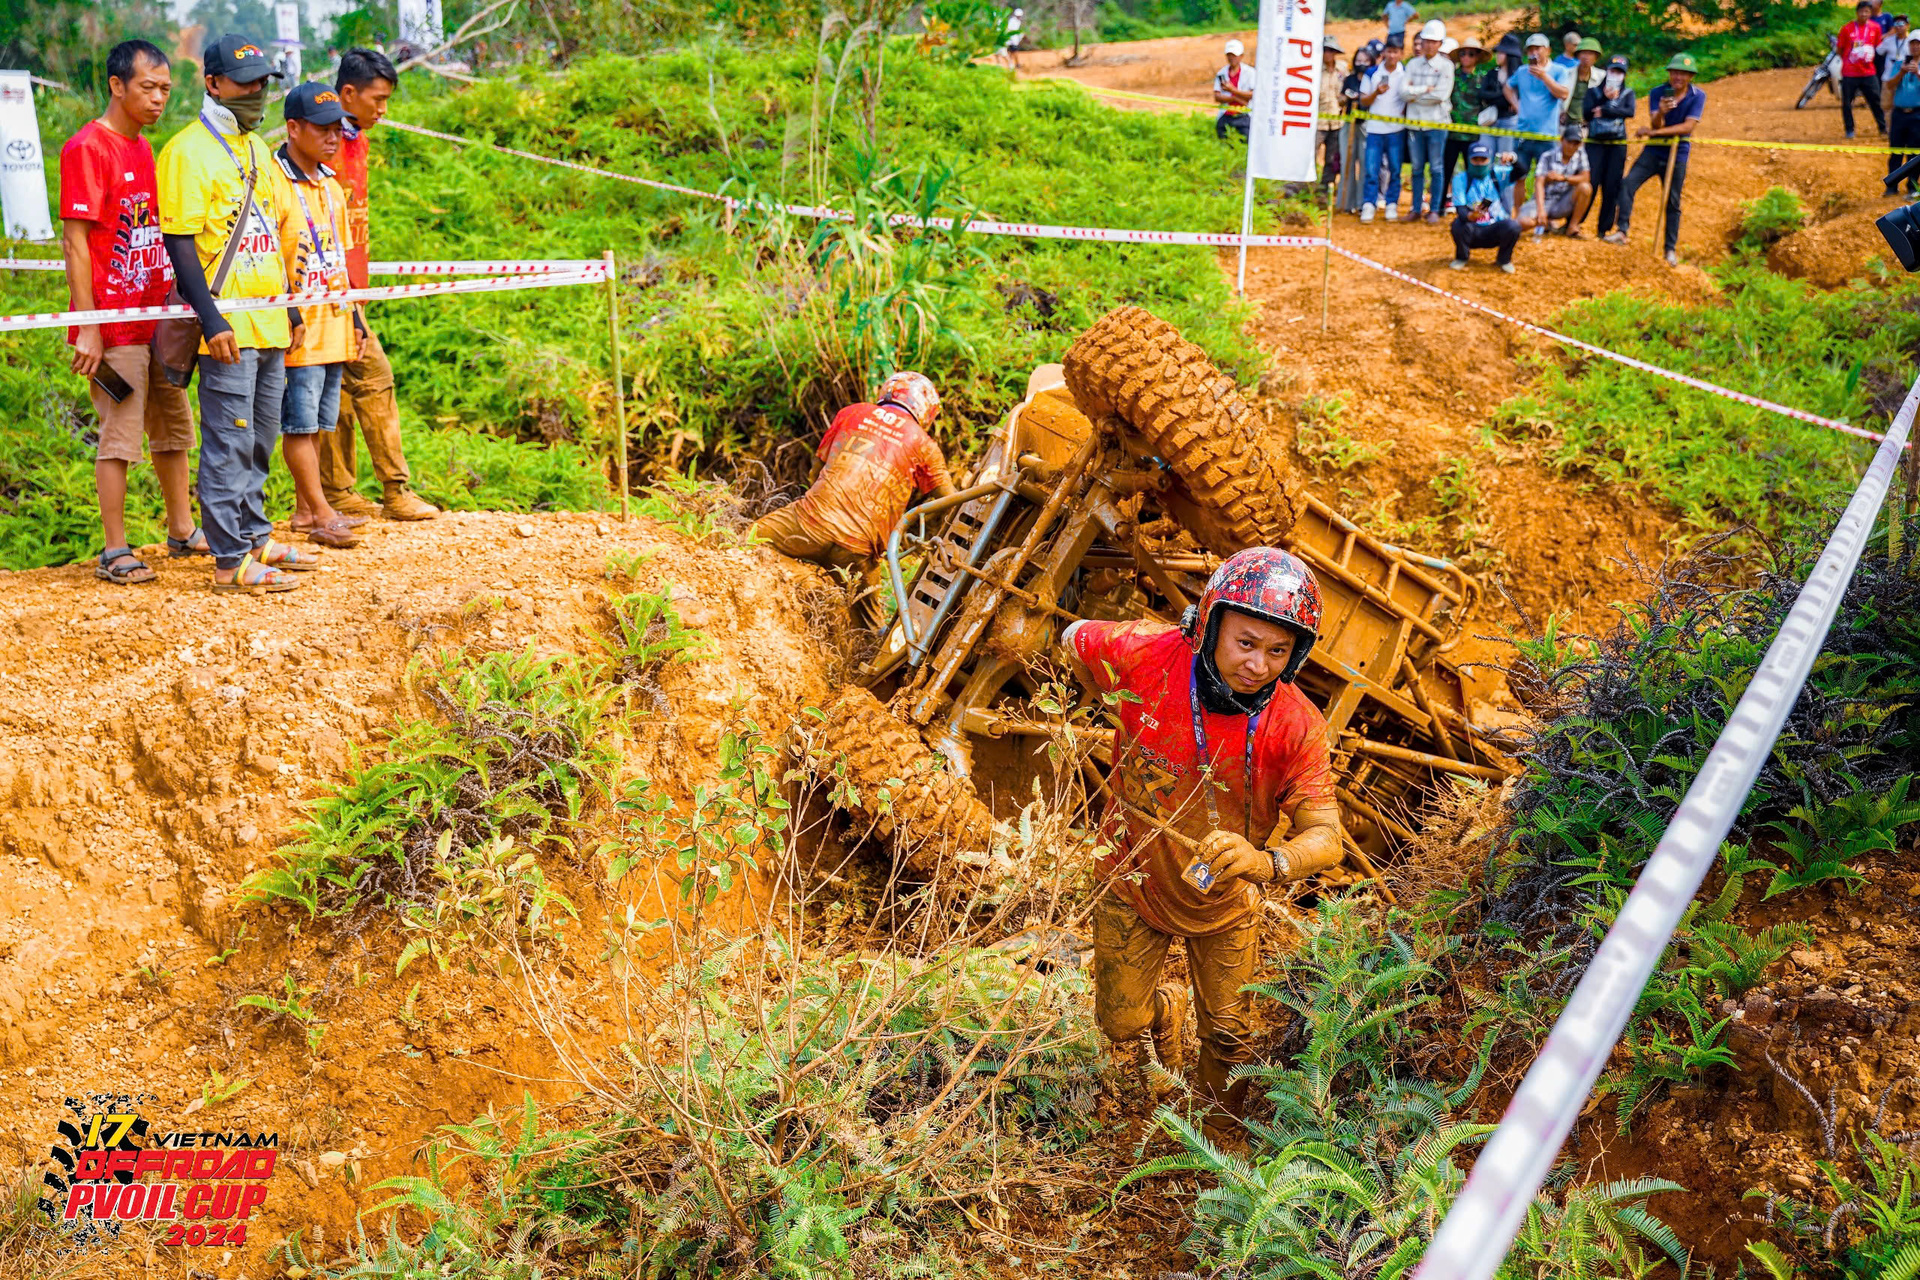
point(1112, 491)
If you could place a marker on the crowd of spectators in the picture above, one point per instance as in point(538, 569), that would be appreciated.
point(1503, 142)
point(221, 215)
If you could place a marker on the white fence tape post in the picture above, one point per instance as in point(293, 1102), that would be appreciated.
point(1480, 1227)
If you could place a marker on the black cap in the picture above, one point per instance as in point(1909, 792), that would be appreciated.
point(1573, 133)
point(238, 59)
point(315, 102)
point(1480, 151)
point(1395, 40)
point(1618, 62)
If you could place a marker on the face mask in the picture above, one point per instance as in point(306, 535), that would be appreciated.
point(1616, 78)
point(1479, 170)
point(247, 111)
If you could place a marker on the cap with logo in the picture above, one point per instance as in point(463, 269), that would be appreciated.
point(1683, 62)
point(1618, 62)
point(1235, 48)
point(315, 102)
point(1480, 151)
point(1538, 41)
point(238, 59)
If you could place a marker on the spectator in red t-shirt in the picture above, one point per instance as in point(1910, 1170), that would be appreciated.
point(365, 83)
point(1859, 42)
point(872, 461)
point(1216, 746)
point(110, 236)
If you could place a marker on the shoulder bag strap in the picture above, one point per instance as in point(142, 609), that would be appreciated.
point(240, 220)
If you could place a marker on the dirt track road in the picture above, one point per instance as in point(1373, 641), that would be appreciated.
point(1419, 373)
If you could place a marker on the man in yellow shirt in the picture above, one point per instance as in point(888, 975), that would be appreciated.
point(216, 185)
point(316, 258)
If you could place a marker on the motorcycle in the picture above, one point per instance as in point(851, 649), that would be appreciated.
point(1827, 73)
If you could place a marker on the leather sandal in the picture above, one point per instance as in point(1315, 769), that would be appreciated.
point(121, 567)
point(194, 544)
point(334, 534)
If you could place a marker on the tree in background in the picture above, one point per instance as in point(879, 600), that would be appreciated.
point(68, 40)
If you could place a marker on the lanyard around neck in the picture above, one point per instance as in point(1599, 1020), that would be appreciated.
point(306, 211)
point(1206, 757)
point(253, 204)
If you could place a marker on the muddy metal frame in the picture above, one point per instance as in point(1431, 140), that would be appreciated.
point(1051, 529)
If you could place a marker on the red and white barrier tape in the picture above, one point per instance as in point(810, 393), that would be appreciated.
point(1044, 231)
point(1681, 378)
point(595, 274)
point(1480, 1227)
point(536, 266)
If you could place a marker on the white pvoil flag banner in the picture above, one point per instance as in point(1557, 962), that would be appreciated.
point(420, 23)
point(1286, 92)
point(23, 174)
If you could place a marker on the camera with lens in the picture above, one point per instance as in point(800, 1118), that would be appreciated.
point(1900, 228)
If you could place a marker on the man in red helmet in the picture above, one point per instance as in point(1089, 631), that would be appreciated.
point(872, 461)
point(1217, 743)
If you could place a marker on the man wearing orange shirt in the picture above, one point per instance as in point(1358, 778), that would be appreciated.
point(873, 460)
point(1217, 743)
point(365, 83)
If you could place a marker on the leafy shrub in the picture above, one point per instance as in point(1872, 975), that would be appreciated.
point(1629, 720)
point(1772, 215)
point(1717, 462)
point(516, 750)
point(1356, 1168)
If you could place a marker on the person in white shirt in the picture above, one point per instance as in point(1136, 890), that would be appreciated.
point(1011, 48)
point(1430, 101)
point(1233, 90)
point(1384, 93)
point(1892, 53)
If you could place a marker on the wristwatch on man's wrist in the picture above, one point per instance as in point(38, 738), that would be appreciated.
point(1282, 866)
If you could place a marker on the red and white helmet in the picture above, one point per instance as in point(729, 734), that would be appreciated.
point(1262, 582)
point(914, 393)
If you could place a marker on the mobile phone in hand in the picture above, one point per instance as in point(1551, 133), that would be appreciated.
point(113, 384)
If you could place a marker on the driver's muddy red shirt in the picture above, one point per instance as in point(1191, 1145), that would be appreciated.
point(1157, 768)
point(877, 458)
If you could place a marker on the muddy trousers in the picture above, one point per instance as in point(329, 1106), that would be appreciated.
point(781, 529)
point(366, 397)
point(1129, 1003)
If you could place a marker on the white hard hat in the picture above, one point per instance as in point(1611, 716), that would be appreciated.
point(1434, 30)
point(1448, 45)
point(1235, 47)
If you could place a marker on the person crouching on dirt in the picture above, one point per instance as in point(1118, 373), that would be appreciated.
point(1216, 743)
point(872, 461)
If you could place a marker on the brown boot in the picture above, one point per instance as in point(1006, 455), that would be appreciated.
point(349, 503)
point(1169, 1027)
point(405, 504)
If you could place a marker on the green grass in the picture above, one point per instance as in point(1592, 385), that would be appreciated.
point(1843, 354)
point(732, 338)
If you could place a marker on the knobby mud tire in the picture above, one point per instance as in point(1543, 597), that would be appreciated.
point(927, 813)
point(1136, 366)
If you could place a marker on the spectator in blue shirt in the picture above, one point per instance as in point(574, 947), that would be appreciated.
point(1540, 88)
point(1483, 207)
point(1569, 50)
point(1903, 110)
point(1673, 110)
point(1399, 13)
